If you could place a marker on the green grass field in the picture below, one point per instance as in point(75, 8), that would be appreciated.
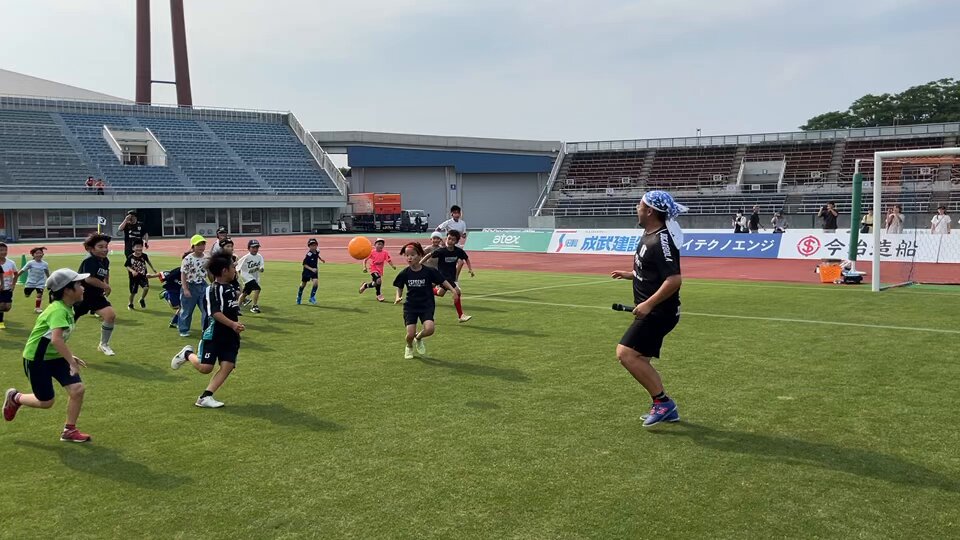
point(521, 424)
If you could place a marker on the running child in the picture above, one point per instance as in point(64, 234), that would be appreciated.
point(226, 249)
point(310, 271)
point(172, 285)
point(377, 259)
point(37, 271)
point(454, 223)
point(450, 261)
point(97, 288)
point(136, 265)
point(436, 242)
point(8, 282)
point(420, 305)
point(251, 266)
point(46, 356)
point(221, 339)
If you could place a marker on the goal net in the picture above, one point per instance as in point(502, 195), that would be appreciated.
point(911, 241)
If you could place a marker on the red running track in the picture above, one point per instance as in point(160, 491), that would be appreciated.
point(333, 248)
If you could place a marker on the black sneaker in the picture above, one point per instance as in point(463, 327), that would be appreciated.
point(130, 307)
point(143, 303)
point(255, 309)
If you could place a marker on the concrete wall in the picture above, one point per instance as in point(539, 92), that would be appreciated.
point(498, 200)
point(423, 188)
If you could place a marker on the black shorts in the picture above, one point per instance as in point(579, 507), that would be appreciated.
point(27, 291)
point(90, 305)
point(411, 317)
point(42, 372)
point(251, 286)
point(209, 352)
point(375, 276)
point(136, 283)
point(307, 275)
point(646, 335)
point(6, 297)
point(172, 297)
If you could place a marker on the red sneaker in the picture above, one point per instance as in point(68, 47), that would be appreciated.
point(74, 435)
point(10, 407)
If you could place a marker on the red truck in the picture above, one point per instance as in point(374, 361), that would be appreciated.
point(382, 212)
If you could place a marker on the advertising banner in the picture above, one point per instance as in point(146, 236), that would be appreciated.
point(527, 241)
point(695, 244)
point(914, 247)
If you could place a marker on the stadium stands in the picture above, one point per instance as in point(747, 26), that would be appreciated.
point(55, 150)
point(606, 178)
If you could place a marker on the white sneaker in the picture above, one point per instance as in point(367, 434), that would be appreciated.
point(421, 347)
point(105, 349)
point(184, 335)
point(465, 317)
point(38, 310)
point(181, 357)
point(408, 353)
point(208, 403)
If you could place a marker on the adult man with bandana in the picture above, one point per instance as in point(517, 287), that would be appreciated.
point(656, 292)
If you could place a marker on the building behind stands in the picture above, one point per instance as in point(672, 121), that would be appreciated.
point(598, 184)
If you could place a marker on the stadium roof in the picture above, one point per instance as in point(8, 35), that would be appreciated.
point(337, 142)
point(18, 84)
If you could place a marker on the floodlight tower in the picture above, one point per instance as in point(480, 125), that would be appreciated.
point(181, 66)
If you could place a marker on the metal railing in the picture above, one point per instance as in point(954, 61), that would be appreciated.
point(554, 171)
point(323, 160)
point(951, 128)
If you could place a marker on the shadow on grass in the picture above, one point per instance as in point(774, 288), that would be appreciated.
point(506, 374)
point(347, 309)
point(254, 345)
point(501, 330)
point(104, 462)
point(857, 461)
point(134, 371)
point(281, 415)
point(482, 405)
point(482, 308)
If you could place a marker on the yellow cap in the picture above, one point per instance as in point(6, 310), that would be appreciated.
point(197, 239)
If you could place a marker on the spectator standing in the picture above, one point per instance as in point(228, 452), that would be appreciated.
point(779, 223)
point(89, 184)
point(894, 223)
point(755, 220)
point(100, 185)
point(829, 216)
point(740, 223)
point(866, 222)
point(940, 224)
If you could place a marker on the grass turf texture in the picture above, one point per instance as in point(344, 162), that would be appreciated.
point(521, 424)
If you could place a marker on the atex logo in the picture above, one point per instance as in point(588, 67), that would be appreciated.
point(506, 239)
point(808, 245)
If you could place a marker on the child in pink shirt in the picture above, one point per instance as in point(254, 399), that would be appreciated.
point(377, 258)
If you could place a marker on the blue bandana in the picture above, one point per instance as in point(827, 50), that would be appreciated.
point(663, 202)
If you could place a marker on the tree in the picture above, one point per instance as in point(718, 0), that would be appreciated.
point(936, 101)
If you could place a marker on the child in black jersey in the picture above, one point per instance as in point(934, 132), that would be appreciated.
point(221, 337)
point(419, 281)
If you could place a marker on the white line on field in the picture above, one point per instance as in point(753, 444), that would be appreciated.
point(740, 317)
point(507, 293)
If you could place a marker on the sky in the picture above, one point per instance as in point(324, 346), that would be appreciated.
point(526, 69)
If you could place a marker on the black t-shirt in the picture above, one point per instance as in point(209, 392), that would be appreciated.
point(132, 232)
point(311, 259)
point(754, 221)
point(656, 259)
point(829, 220)
point(97, 268)
point(222, 298)
point(138, 264)
point(447, 260)
point(419, 285)
point(172, 281)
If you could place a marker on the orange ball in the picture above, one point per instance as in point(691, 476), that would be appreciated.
point(359, 247)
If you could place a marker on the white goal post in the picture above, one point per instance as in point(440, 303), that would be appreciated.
point(878, 159)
